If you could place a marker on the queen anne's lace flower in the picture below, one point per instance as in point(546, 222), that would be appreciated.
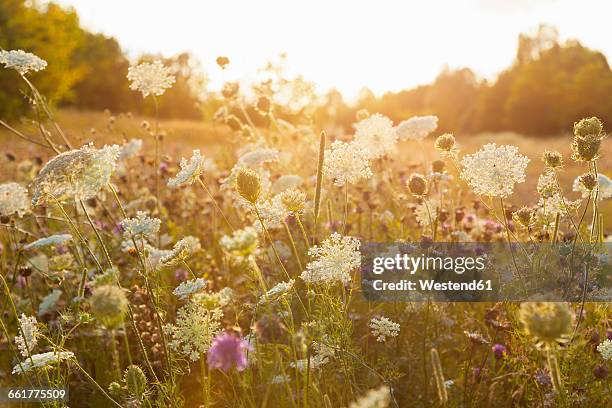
point(181, 251)
point(286, 182)
point(29, 339)
point(130, 148)
point(493, 171)
point(21, 61)
point(427, 211)
point(272, 212)
point(42, 360)
point(384, 327)
point(77, 174)
point(150, 78)
point(141, 226)
point(605, 187)
point(335, 259)
point(54, 240)
point(194, 329)
point(277, 291)
point(375, 398)
point(549, 207)
point(417, 127)
point(190, 170)
point(13, 200)
point(190, 287)
point(346, 163)
point(242, 242)
point(547, 184)
point(376, 135)
point(258, 157)
point(605, 349)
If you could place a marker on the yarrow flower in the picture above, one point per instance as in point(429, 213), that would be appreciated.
point(54, 240)
point(375, 398)
point(181, 251)
point(376, 135)
point(77, 174)
point(190, 170)
point(13, 200)
point(150, 78)
point(194, 329)
point(188, 288)
point(228, 351)
point(605, 349)
point(141, 226)
point(417, 127)
point(29, 339)
point(335, 259)
point(384, 327)
point(42, 360)
point(493, 171)
point(21, 61)
point(346, 163)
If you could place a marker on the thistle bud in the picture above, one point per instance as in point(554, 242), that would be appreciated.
point(552, 159)
point(135, 380)
point(248, 185)
point(108, 304)
point(445, 142)
point(417, 184)
point(588, 126)
point(588, 181)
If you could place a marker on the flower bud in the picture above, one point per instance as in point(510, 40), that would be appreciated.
point(109, 304)
point(552, 159)
point(445, 142)
point(294, 200)
point(588, 126)
point(438, 166)
point(417, 184)
point(586, 148)
point(248, 185)
point(588, 181)
point(523, 217)
point(135, 380)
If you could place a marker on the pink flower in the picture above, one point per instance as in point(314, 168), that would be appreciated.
point(228, 350)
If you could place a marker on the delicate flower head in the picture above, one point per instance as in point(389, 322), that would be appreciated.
point(376, 135)
point(604, 183)
point(499, 350)
point(257, 157)
point(277, 291)
point(384, 327)
point(605, 349)
point(228, 351)
point(286, 182)
point(346, 163)
point(547, 184)
point(294, 200)
point(335, 259)
point(54, 240)
point(493, 171)
point(242, 242)
point(375, 398)
point(150, 78)
point(77, 174)
point(549, 207)
point(190, 170)
point(523, 217)
point(417, 184)
point(190, 287)
point(273, 213)
point(29, 339)
point(194, 329)
point(130, 148)
point(248, 185)
point(427, 211)
point(49, 302)
point(109, 304)
point(21, 61)
point(446, 143)
point(42, 360)
point(552, 159)
point(141, 226)
point(417, 127)
point(181, 251)
point(13, 200)
point(547, 322)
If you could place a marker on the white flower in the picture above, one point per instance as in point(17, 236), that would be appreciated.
point(42, 360)
point(547, 183)
point(272, 212)
point(375, 398)
point(286, 182)
point(605, 187)
point(190, 170)
point(427, 211)
point(376, 135)
point(277, 291)
point(384, 327)
point(549, 207)
point(493, 171)
point(49, 302)
point(335, 259)
point(141, 226)
point(257, 157)
point(21, 61)
point(29, 339)
point(194, 330)
point(605, 349)
point(54, 240)
point(130, 149)
point(190, 287)
point(182, 250)
point(77, 174)
point(417, 127)
point(346, 163)
point(150, 78)
point(13, 200)
point(242, 242)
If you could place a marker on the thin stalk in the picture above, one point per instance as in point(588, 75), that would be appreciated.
point(229, 224)
point(346, 188)
point(293, 247)
point(317, 203)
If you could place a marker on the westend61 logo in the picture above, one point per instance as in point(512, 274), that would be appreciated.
point(486, 272)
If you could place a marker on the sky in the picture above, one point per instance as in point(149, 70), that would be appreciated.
point(384, 45)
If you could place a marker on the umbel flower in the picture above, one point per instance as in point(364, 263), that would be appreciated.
point(547, 322)
point(194, 329)
point(150, 78)
point(417, 127)
point(242, 242)
point(346, 163)
point(605, 349)
point(228, 351)
point(188, 288)
point(493, 171)
point(21, 61)
point(54, 240)
point(375, 398)
point(13, 200)
point(588, 135)
point(384, 327)
point(140, 227)
point(42, 360)
point(76, 175)
point(582, 183)
point(334, 261)
point(181, 251)
point(29, 339)
point(190, 170)
point(109, 304)
point(376, 135)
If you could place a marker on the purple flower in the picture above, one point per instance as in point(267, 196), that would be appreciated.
point(609, 334)
point(499, 350)
point(181, 275)
point(228, 350)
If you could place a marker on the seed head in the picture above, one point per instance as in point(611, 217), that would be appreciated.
point(588, 126)
point(552, 159)
point(248, 185)
point(523, 217)
point(547, 322)
point(586, 148)
point(445, 142)
point(588, 181)
point(135, 380)
point(293, 199)
point(417, 184)
point(438, 166)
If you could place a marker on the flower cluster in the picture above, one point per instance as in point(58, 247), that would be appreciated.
point(376, 135)
point(140, 227)
point(13, 200)
point(384, 327)
point(195, 327)
point(150, 78)
point(27, 341)
point(181, 251)
point(334, 261)
point(190, 170)
point(42, 360)
point(21, 61)
point(188, 288)
point(417, 127)
point(346, 163)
